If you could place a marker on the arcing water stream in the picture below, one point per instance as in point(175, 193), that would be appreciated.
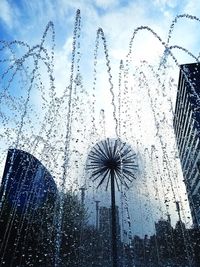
point(61, 130)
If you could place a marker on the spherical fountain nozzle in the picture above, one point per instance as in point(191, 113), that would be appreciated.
point(112, 156)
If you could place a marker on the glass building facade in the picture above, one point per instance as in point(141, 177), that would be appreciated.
point(187, 132)
point(28, 196)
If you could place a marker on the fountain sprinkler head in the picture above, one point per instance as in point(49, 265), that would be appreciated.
point(112, 157)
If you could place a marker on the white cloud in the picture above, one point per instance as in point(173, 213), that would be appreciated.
point(119, 26)
point(166, 3)
point(6, 13)
point(192, 7)
point(104, 4)
point(62, 66)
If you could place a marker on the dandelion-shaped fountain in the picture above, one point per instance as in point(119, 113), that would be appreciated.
point(112, 161)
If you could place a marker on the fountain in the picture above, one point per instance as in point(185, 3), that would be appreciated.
point(62, 131)
point(114, 161)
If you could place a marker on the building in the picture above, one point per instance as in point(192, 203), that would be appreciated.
point(105, 222)
point(105, 230)
point(187, 132)
point(28, 195)
point(163, 228)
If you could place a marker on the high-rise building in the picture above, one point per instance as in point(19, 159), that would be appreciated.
point(187, 131)
point(105, 222)
point(163, 228)
point(105, 230)
point(28, 196)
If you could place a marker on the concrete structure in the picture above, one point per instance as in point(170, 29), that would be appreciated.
point(187, 131)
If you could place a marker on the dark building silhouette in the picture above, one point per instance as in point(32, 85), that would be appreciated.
point(28, 196)
point(164, 237)
point(163, 228)
point(105, 231)
point(174, 247)
point(187, 131)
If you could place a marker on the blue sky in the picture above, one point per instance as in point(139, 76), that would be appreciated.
point(26, 20)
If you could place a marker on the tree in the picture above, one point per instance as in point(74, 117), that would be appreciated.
point(74, 219)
